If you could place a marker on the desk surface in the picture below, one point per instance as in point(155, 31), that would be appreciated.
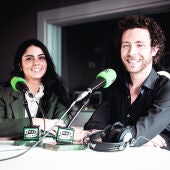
point(139, 158)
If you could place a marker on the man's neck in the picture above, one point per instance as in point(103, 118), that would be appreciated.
point(137, 79)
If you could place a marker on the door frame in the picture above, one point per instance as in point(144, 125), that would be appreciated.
point(50, 22)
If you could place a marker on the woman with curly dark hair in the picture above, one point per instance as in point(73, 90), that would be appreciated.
point(140, 100)
point(32, 63)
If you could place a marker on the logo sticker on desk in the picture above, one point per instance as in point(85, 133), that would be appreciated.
point(65, 135)
point(31, 133)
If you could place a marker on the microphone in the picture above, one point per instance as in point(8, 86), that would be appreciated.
point(103, 79)
point(19, 84)
point(31, 132)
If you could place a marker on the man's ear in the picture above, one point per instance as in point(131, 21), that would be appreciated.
point(154, 50)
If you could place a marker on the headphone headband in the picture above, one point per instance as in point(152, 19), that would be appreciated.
point(107, 146)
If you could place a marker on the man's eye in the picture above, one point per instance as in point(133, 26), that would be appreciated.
point(125, 45)
point(140, 45)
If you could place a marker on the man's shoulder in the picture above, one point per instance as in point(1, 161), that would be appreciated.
point(163, 84)
point(164, 78)
point(164, 74)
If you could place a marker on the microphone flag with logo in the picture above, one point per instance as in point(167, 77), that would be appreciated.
point(19, 84)
point(103, 79)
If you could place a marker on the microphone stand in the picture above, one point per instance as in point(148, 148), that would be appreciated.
point(31, 132)
point(85, 102)
point(25, 103)
point(42, 112)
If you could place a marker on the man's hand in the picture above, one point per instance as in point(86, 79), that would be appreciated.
point(157, 141)
point(79, 135)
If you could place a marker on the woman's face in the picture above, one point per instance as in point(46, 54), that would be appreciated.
point(34, 64)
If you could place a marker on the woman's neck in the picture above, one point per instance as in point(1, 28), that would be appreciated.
point(33, 86)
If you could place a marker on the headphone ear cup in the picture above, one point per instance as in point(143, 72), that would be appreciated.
point(115, 132)
point(114, 135)
point(125, 135)
point(107, 132)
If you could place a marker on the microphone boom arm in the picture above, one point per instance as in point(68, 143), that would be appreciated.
point(75, 115)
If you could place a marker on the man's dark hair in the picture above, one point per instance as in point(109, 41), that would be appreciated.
point(156, 33)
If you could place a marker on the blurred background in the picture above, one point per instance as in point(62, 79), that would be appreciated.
point(87, 47)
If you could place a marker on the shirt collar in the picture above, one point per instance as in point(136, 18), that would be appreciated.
point(150, 80)
point(148, 83)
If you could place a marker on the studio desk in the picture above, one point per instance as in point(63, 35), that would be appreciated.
point(50, 156)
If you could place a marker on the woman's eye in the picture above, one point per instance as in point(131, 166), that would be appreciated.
point(28, 58)
point(42, 58)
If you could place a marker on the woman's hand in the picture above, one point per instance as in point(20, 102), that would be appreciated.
point(50, 124)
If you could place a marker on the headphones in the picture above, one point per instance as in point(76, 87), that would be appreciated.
point(114, 137)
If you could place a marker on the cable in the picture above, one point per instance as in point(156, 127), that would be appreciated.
point(75, 115)
point(43, 115)
point(4, 159)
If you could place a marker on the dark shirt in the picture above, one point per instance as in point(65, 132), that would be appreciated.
point(148, 115)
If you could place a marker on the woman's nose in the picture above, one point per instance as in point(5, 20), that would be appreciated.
point(36, 62)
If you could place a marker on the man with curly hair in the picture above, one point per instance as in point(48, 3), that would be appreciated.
point(140, 100)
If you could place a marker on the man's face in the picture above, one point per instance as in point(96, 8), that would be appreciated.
point(136, 50)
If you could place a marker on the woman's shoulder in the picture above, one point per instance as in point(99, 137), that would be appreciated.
point(5, 87)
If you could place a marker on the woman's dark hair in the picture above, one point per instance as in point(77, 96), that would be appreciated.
point(156, 33)
point(51, 80)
